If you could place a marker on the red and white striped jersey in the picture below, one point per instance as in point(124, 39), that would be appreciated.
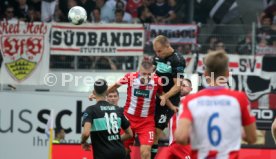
point(217, 115)
point(140, 97)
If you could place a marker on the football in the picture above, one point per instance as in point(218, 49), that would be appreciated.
point(77, 15)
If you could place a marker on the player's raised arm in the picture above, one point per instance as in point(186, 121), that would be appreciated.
point(122, 81)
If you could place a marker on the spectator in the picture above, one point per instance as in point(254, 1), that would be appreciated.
point(119, 16)
point(9, 14)
point(59, 135)
point(132, 6)
point(145, 16)
point(107, 10)
point(162, 11)
point(211, 41)
point(65, 6)
point(219, 46)
point(147, 4)
point(88, 5)
point(21, 10)
point(104, 63)
point(96, 16)
point(120, 5)
point(33, 15)
point(245, 46)
point(179, 7)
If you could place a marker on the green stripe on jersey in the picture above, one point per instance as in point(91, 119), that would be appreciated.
point(100, 124)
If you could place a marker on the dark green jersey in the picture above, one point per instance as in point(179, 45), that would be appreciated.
point(106, 120)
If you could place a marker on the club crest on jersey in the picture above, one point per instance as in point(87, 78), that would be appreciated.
point(21, 54)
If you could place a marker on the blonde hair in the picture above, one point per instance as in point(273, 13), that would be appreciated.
point(216, 62)
point(163, 40)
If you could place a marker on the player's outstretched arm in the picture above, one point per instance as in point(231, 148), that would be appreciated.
point(250, 133)
point(273, 130)
point(113, 87)
point(127, 135)
point(85, 135)
point(182, 132)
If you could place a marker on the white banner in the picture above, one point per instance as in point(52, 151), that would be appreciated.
point(24, 116)
point(97, 40)
point(25, 51)
point(238, 65)
point(177, 34)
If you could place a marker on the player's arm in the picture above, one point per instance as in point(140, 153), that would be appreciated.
point(127, 135)
point(87, 120)
point(248, 120)
point(118, 84)
point(250, 133)
point(273, 130)
point(168, 103)
point(174, 90)
point(85, 135)
point(183, 129)
point(126, 126)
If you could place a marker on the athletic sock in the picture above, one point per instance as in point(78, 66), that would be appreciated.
point(154, 150)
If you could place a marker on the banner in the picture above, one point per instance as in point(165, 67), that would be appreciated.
point(25, 51)
point(177, 34)
point(256, 76)
point(238, 65)
point(98, 39)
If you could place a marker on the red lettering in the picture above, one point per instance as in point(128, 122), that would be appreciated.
point(38, 28)
point(6, 28)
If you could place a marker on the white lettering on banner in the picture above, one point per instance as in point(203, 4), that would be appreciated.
point(178, 34)
point(24, 48)
point(102, 39)
point(238, 65)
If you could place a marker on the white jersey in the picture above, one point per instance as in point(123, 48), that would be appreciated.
point(217, 115)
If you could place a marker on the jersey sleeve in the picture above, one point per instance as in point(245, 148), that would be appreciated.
point(178, 66)
point(87, 116)
point(247, 117)
point(184, 111)
point(125, 122)
point(124, 80)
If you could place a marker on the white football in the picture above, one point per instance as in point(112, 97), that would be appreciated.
point(77, 15)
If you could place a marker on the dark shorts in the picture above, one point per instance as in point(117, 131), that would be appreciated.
point(163, 114)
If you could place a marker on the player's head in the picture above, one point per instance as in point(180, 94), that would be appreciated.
point(100, 88)
point(145, 72)
point(216, 67)
point(59, 133)
point(186, 87)
point(162, 47)
point(113, 97)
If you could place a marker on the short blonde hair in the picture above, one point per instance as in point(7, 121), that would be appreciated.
point(163, 40)
point(216, 62)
